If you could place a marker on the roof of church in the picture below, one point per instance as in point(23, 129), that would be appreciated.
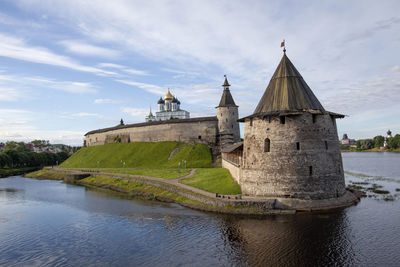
point(288, 93)
point(226, 99)
point(168, 95)
point(160, 101)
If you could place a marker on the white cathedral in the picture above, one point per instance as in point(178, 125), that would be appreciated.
point(168, 108)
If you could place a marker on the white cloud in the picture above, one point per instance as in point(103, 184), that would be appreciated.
point(81, 48)
point(86, 114)
point(110, 65)
point(16, 48)
point(13, 87)
point(107, 101)
point(152, 88)
point(10, 94)
point(136, 72)
point(138, 114)
point(123, 68)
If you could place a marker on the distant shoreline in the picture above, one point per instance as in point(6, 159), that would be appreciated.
point(397, 150)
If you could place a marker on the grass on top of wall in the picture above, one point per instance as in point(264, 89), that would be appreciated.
point(214, 180)
point(140, 155)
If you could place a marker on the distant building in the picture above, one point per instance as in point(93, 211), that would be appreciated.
point(150, 117)
point(388, 135)
point(346, 141)
point(169, 108)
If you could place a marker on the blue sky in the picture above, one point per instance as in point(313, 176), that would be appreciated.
point(68, 67)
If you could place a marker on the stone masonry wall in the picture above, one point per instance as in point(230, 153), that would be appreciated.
point(304, 160)
point(227, 121)
point(202, 132)
point(233, 168)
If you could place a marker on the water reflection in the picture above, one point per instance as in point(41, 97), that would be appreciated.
point(300, 240)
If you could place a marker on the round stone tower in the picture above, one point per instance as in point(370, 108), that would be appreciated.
point(291, 146)
point(227, 114)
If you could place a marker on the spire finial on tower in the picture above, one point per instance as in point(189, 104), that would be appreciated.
point(226, 83)
point(284, 46)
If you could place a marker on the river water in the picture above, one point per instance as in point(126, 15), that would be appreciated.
point(48, 223)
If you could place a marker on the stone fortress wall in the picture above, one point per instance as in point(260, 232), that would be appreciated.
point(202, 130)
point(294, 156)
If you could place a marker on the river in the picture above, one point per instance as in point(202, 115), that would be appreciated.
point(48, 223)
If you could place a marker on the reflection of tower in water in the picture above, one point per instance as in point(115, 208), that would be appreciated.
point(300, 240)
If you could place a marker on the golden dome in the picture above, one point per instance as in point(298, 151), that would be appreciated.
point(168, 96)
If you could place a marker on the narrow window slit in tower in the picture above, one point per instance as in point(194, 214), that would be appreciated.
point(269, 119)
point(267, 144)
point(326, 145)
point(251, 122)
point(282, 119)
point(310, 172)
point(314, 118)
point(298, 145)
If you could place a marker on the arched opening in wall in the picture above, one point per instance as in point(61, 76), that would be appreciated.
point(283, 119)
point(298, 145)
point(314, 118)
point(326, 145)
point(199, 137)
point(267, 145)
point(226, 120)
point(310, 171)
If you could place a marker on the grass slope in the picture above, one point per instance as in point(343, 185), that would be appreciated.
point(140, 155)
point(130, 186)
point(217, 180)
point(159, 173)
point(46, 174)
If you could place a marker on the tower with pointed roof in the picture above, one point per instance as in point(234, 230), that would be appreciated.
point(291, 146)
point(150, 117)
point(227, 115)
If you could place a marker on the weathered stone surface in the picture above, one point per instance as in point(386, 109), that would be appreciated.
point(227, 122)
point(303, 161)
point(202, 132)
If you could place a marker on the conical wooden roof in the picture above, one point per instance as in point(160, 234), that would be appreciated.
point(287, 91)
point(226, 98)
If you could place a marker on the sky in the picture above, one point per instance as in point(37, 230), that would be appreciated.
point(71, 66)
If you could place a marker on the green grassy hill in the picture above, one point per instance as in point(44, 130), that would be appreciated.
point(140, 155)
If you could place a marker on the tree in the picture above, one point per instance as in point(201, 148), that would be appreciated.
point(394, 142)
point(378, 141)
point(365, 144)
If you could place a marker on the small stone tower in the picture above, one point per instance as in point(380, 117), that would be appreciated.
point(291, 146)
point(227, 114)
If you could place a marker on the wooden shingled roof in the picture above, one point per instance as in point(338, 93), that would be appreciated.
point(287, 91)
point(226, 99)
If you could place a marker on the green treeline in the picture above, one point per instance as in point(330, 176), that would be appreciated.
point(378, 141)
point(18, 155)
